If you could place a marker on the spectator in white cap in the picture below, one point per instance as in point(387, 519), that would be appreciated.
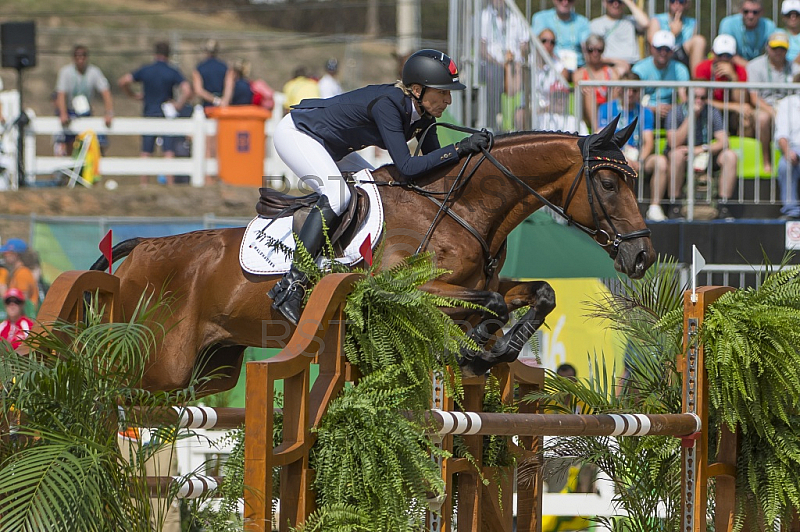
point(661, 66)
point(722, 68)
point(749, 29)
point(690, 48)
point(790, 9)
point(772, 67)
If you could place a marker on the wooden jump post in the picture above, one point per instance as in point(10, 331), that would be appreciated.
point(696, 471)
point(319, 340)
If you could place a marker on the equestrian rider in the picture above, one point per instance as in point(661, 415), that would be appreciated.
point(319, 137)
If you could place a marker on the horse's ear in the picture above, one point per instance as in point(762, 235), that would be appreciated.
point(605, 135)
point(621, 137)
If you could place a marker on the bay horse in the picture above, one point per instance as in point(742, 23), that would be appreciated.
point(221, 308)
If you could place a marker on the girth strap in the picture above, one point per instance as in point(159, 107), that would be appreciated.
point(491, 260)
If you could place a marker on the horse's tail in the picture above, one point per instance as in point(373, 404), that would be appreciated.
point(120, 251)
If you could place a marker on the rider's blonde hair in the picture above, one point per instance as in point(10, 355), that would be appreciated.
point(406, 90)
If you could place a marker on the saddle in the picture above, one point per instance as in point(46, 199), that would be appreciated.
point(273, 204)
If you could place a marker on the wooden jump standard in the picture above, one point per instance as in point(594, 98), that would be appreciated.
point(318, 340)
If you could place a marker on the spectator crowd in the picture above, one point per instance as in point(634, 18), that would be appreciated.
point(166, 93)
point(624, 43)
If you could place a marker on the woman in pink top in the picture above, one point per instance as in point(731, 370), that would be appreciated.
point(15, 328)
point(595, 69)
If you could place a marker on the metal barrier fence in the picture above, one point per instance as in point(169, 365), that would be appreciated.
point(751, 179)
point(516, 80)
point(513, 83)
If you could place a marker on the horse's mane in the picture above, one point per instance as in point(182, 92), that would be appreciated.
point(434, 175)
point(513, 134)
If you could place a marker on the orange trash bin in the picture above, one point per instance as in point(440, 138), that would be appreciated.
point(241, 143)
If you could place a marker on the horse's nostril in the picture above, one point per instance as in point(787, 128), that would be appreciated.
point(641, 260)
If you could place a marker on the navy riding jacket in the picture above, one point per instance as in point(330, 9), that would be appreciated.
point(376, 115)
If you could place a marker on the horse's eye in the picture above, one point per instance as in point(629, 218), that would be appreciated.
point(608, 184)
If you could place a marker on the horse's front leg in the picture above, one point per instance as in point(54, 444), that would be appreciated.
point(482, 324)
point(541, 298)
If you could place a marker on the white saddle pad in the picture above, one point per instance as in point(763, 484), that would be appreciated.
point(258, 255)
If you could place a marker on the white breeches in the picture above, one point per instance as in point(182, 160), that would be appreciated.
point(312, 163)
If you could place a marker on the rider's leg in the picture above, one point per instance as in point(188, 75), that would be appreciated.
point(353, 162)
point(313, 164)
point(287, 296)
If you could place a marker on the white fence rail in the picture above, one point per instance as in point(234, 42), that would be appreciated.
point(197, 166)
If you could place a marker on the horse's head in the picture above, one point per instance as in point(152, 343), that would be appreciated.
point(610, 212)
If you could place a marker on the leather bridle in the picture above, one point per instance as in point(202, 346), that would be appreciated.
point(590, 163)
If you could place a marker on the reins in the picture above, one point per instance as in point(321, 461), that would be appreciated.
point(585, 169)
point(461, 180)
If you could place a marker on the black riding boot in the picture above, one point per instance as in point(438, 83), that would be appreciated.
point(287, 296)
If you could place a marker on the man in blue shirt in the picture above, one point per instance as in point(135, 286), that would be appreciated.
point(571, 30)
point(208, 78)
point(640, 149)
point(159, 80)
point(750, 30)
point(661, 66)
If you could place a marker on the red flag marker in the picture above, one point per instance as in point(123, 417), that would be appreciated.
point(366, 250)
point(105, 248)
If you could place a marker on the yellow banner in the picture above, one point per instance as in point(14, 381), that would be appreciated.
point(569, 336)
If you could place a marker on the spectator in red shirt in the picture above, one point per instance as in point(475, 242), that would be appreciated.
point(735, 103)
point(15, 328)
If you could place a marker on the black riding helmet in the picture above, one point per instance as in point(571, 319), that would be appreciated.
point(431, 68)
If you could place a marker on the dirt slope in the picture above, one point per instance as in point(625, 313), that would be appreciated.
point(127, 200)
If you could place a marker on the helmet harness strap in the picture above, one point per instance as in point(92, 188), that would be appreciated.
point(419, 99)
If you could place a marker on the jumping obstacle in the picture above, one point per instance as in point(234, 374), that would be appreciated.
point(319, 340)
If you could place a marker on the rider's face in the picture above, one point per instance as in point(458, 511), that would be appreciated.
point(435, 101)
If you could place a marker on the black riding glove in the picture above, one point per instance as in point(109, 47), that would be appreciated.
point(472, 144)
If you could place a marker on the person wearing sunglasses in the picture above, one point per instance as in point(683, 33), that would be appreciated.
point(570, 28)
point(594, 69)
point(619, 31)
point(661, 66)
point(553, 94)
point(750, 29)
point(15, 328)
point(772, 67)
point(735, 104)
point(790, 10)
point(690, 48)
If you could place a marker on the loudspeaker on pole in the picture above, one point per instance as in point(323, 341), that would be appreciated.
point(18, 43)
